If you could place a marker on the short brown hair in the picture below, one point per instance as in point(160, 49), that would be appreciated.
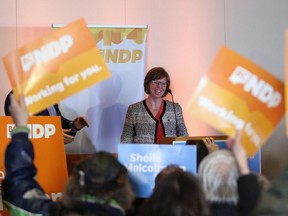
point(153, 74)
point(179, 193)
point(171, 168)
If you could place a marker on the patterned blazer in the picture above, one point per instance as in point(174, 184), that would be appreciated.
point(140, 124)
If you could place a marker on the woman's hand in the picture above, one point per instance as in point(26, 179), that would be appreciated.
point(19, 111)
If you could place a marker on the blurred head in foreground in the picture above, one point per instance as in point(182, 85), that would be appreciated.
point(100, 181)
point(178, 194)
point(218, 173)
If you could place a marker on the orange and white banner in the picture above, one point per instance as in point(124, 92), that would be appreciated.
point(50, 159)
point(105, 105)
point(56, 66)
point(238, 94)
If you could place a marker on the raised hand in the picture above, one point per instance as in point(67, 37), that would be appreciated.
point(239, 151)
point(19, 111)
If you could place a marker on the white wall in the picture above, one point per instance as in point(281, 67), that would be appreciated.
point(256, 29)
point(184, 36)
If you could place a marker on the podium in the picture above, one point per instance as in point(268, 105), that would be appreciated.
point(201, 149)
point(253, 162)
point(169, 140)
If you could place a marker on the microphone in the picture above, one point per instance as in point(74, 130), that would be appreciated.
point(170, 92)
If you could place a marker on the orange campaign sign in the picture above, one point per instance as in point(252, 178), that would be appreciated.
point(286, 80)
point(56, 66)
point(238, 94)
point(50, 159)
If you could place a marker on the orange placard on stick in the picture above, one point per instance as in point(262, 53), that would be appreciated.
point(56, 66)
point(50, 158)
point(238, 94)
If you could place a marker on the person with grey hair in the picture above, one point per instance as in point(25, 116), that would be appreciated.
point(227, 182)
point(218, 172)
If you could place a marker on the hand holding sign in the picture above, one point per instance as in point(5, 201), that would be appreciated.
point(19, 111)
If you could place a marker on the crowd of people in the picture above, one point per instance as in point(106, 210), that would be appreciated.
point(99, 185)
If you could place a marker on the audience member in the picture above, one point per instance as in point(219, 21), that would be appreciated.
point(99, 185)
point(172, 168)
point(263, 181)
point(178, 194)
point(273, 201)
point(228, 184)
point(218, 173)
point(69, 127)
point(138, 202)
point(150, 120)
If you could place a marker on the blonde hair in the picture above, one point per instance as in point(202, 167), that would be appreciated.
point(218, 173)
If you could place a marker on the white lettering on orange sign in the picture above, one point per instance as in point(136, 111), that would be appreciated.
point(259, 88)
point(56, 196)
point(37, 131)
point(46, 53)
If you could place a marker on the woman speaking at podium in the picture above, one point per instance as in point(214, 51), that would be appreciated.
point(153, 118)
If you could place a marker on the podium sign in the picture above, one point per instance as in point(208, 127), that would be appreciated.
point(50, 160)
point(144, 161)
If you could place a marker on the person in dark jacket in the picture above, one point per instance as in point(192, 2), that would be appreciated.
point(99, 185)
point(69, 127)
point(177, 193)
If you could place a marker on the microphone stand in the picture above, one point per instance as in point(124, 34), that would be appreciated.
point(170, 92)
